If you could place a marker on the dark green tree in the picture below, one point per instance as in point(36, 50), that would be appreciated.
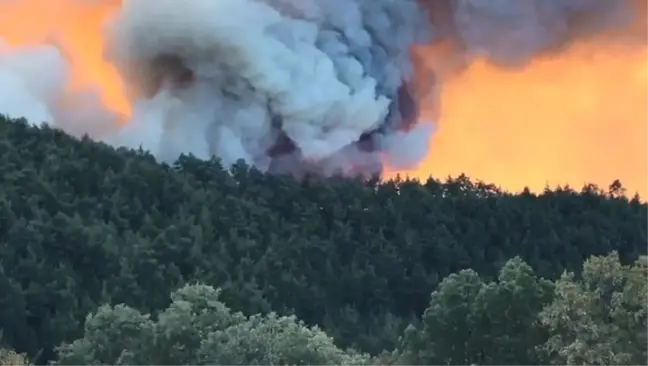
point(601, 318)
point(197, 328)
point(470, 321)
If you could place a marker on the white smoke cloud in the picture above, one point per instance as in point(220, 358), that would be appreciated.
point(253, 66)
point(28, 88)
point(321, 73)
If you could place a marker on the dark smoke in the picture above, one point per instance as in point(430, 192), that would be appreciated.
point(511, 32)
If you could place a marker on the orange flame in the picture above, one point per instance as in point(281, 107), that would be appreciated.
point(75, 26)
point(576, 117)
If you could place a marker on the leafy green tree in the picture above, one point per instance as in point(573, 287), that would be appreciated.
point(197, 328)
point(471, 321)
point(601, 318)
point(11, 358)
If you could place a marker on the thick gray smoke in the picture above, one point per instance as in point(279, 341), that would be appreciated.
point(287, 85)
point(513, 31)
point(281, 84)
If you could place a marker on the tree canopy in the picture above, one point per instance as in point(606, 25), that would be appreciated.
point(341, 269)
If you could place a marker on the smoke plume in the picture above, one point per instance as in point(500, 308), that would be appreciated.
point(325, 86)
point(284, 85)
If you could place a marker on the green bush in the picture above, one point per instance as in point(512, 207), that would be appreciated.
point(198, 329)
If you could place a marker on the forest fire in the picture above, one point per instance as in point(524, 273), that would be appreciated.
point(572, 116)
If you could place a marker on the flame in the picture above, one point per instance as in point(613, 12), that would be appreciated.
point(76, 27)
point(576, 117)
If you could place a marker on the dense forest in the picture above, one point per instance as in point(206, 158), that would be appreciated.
point(107, 256)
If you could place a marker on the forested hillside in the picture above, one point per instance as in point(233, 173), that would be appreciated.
point(84, 225)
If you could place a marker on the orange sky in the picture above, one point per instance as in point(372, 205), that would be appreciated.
point(570, 118)
point(76, 26)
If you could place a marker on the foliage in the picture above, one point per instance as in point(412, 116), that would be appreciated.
point(198, 329)
point(11, 358)
point(600, 319)
point(84, 225)
point(470, 321)
point(518, 319)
